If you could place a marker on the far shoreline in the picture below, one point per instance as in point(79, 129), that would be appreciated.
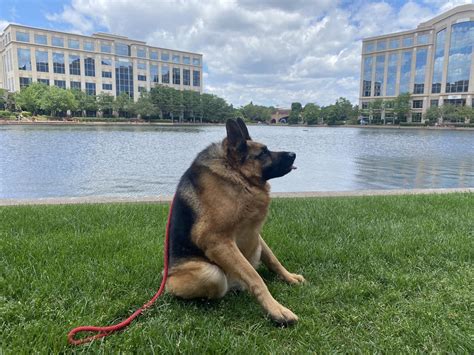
point(190, 124)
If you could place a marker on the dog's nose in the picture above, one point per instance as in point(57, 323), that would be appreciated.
point(292, 155)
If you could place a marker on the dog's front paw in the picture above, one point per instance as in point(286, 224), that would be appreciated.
point(282, 316)
point(294, 278)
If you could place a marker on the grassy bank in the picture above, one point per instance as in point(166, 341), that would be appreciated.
point(387, 273)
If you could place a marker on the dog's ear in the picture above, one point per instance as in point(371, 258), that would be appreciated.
point(243, 128)
point(235, 137)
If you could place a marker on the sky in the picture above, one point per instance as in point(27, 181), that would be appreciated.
point(270, 52)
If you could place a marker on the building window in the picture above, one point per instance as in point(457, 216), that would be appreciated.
point(22, 36)
point(417, 103)
point(124, 77)
point(165, 56)
point(154, 55)
point(381, 45)
point(434, 103)
point(379, 71)
point(186, 77)
point(41, 39)
point(74, 64)
point(60, 84)
point(106, 74)
point(89, 66)
point(44, 81)
point(408, 41)
point(438, 62)
point(24, 82)
point(416, 117)
point(196, 61)
point(154, 73)
point(176, 58)
point(187, 60)
point(141, 89)
point(405, 72)
point(105, 47)
point(122, 49)
point(392, 74)
point(196, 78)
point(365, 105)
point(422, 38)
point(24, 59)
point(176, 76)
point(141, 65)
point(42, 61)
point(369, 47)
point(90, 88)
point(367, 81)
point(58, 63)
point(394, 43)
point(106, 86)
point(460, 57)
point(142, 77)
point(420, 67)
point(106, 61)
point(73, 43)
point(165, 74)
point(455, 102)
point(141, 52)
point(75, 85)
point(57, 41)
point(89, 46)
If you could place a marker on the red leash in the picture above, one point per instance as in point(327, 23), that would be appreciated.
point(104, 331)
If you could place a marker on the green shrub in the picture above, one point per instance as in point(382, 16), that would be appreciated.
point(26, 113)
point(5, 114)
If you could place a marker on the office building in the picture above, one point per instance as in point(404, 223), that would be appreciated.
point(432, 62)
point(101, 63)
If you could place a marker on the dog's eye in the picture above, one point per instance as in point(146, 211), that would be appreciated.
point(263, 153)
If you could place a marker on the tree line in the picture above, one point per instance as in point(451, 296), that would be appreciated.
point(165, 103)
point(160, 102)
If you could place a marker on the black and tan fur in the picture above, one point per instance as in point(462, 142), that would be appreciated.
point(220, 206)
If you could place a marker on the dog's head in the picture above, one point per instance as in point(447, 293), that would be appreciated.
point(252, 159)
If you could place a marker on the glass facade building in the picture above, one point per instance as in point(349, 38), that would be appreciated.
point(99, 63)
point(432, 62)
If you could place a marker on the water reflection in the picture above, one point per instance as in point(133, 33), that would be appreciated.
point(38, 161)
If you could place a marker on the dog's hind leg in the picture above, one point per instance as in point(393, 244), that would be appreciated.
point(197, 279)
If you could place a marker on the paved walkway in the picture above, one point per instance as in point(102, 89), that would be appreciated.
point(167, 199)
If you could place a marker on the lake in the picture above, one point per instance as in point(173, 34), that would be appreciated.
point(140, 160)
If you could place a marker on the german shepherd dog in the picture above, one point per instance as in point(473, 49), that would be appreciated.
point(219, 209)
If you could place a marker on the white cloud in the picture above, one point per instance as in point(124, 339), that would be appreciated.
point(270, 51)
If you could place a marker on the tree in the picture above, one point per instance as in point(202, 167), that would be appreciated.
point(329, 114)
point(56, 100)
point(294, 116)
point(84, 102)
point(30, 97)
point(105, 104)
point(344, 109)
point(433, 114)
point(402, 107)
point(123, 105)
point(376, 109)
point(145, 107)
point(256, 112)
point(466, 113)
point(3, 98)
point(311, 114)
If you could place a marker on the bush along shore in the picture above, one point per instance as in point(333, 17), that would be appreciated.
point(385, 274)
point(41, 103)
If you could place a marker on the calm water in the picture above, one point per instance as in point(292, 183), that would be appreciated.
point(145, 161)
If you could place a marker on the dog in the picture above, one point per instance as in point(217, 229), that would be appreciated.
point(218, 211)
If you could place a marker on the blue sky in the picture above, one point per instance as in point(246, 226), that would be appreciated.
point(271, 52)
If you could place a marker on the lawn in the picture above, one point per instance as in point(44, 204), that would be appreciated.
point(385, 274)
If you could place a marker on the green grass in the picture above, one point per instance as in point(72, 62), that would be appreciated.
point(386, 274)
